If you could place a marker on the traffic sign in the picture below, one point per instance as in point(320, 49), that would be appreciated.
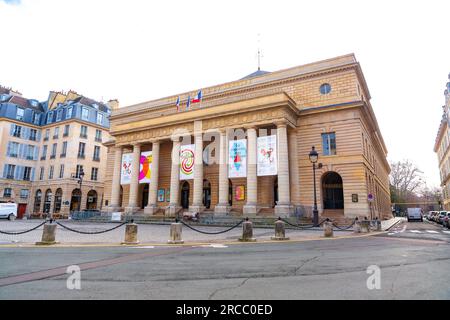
point(370, 197)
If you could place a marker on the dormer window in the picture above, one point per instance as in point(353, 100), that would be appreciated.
point(34, 103)
point(20, 113)
point(49, 117)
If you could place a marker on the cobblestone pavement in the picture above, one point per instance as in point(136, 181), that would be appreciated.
point(147, 233)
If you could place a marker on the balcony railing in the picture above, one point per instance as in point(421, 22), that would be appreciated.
point(53, 156)
point(96, 158)
point(55, 137)
point(83, 135)
point(30, 158)
point(98, 139)
point(43, 157)
point(45, 138)
point(66, 134)
point(62, 155)
point(81, 156)
point(9, 176)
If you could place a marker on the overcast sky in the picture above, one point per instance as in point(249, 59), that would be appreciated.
point(141, 50)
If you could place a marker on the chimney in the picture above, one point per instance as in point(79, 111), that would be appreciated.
point(113, 104)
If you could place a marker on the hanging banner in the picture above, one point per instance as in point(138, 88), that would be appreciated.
point(125, 172)
point(267, 156)
point(145, 167)
point(237, 159)
point(187, 156)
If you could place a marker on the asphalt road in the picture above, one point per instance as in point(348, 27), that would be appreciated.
point(412, 265)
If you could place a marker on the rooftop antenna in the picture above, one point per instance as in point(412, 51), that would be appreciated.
point(259, 52)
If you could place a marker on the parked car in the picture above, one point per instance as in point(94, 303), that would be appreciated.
point(434, 215)
point(440, 217)
point(445, 221)
point(8, 210)
point(430, 214)
point(414, 214)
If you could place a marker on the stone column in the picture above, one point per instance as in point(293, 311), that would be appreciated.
point(134, 183)
point(197, 203)
point(252, 180)
point(283, 206)
point(294, 176)
point(115, 189)
point(174, 205)
point(222, 208)
point(152, 206)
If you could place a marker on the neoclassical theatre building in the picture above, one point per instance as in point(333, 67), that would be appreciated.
point(242, 148)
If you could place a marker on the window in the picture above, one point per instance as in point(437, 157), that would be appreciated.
point(49, 117)
point(85, 114)
point(325, 88)
point(96, 153)
point(61, 171)
point(66, 130)
point(7, 192)
point(41, 173)
point(79, 169)
point(69, 113)
point(99, 118)
point(47, 134)
point(59, 114)
point(94, 174)
point(27, 174)
point(33, 134)
point(20, 113)
point(9, 171)
point(53, 155)
point(13, 149)
point(36, 118)
point(56, 133)
point(329, 143)
point(64, 149)
point(24, 193)
point(30, 152)
point(81, 149)
point(98, 135)
point(17, 130)
point(50, 173)
point(83, 133)
point(44, 152)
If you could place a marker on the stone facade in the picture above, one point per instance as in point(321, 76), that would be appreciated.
point(324, 104)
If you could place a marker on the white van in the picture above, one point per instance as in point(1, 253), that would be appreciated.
point(415, 214)
point(8, 210)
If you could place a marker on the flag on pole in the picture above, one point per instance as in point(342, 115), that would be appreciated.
point(178, 103)
point(197, 97)
point(188, 103)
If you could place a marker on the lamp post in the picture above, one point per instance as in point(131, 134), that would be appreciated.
point(314, 157)
point(80, 181)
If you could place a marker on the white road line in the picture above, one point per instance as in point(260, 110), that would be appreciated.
point(432, 231)
point(143, 247)
point(415, 231)
point(445, 231)
point(391, 233)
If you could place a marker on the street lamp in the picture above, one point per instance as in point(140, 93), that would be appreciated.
point(314, 157)
point(80, 181)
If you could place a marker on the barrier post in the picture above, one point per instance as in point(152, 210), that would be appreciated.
point(247, 232)
point(280, 232)
point(357, 226)
point(48, 234)
point(131, 230)
point(175, 233)
point(328, 229)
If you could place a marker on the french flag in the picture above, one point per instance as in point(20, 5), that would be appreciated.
point(197, 97)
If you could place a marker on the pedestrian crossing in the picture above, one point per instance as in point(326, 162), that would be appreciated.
point(396, 231)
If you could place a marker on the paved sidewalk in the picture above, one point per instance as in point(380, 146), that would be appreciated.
point(147, 234)
point(387, 224)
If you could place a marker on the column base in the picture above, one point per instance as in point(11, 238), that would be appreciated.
point(250, 209)
point(113, 209)
point(221, 210)
point(151, 209)
point(131, 210)
point(196, 208)
point(172, 210)
point(283, 210)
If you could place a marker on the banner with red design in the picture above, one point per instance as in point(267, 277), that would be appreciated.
point(187, 157)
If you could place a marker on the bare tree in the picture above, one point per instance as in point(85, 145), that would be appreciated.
point(406, 179)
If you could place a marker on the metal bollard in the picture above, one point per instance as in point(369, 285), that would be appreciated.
point(365, 226)
point(175, 233)
point(328, 229)
point(280, 233)
point(247, 232)
point(377, 224)
point(131, 230)
point(357, 226)
point(48, 235)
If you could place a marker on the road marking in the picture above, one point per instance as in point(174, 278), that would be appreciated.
point(391, 233)
point(212, 245)
point(445, 231)
point(432, 231)
point(143, 247)
point(415, 231)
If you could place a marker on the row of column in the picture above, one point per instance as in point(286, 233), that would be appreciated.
point(283, 206)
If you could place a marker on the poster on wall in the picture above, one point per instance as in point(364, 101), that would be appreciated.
point(125, 172)
point(145, 167)
point(160, 195)
point(267, 156)
point(187, 157)
point(237, 159)
point(240, 193)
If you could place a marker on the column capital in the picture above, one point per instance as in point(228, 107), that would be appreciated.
point(155, 141)
point(281, 123)
point(175, 138)
point(250, 127)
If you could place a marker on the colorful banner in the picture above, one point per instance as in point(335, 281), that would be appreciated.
point(187, 156)
point(237, 159)
point(267, 156)
point(125, 172)
point(145, 167)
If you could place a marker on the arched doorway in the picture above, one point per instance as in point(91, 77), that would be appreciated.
point(144, 201)
point(206, 194)
point(58, 201)
point(185, 195)
point(75, 201)
point(91, 202)
point(37, 201)
point(332, 191)
point(47, 201)
point(230, 192)
point(275, 191)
